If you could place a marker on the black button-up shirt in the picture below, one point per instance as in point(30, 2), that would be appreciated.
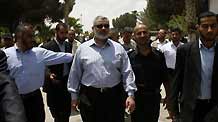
point(150, 71)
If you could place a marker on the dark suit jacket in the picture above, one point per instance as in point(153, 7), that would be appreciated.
point(57, 94)
point(187, 79)
point(11, 106)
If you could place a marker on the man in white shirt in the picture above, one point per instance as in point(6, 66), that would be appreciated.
point(160, 40)
point(71, 38)
point(169, 51)
point(170, 48)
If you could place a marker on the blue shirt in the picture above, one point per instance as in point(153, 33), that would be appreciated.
point(28, 68)
point(207, 58)
point(101, 67)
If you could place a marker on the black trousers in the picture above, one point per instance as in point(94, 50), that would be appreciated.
point(201, 110)
point(60, 116)
point(147, 107)
point(59, 101)
point(102, 106)
point(34, 106)
point(171, 73)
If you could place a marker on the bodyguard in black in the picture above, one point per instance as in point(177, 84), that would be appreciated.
point(58, 97)
point(150, 71)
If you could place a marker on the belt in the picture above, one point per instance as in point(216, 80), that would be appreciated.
point(101, 90)
point(141, 87)
point(204, 101)
point(170, 70)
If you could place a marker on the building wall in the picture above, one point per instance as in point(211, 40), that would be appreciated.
point(213, 6)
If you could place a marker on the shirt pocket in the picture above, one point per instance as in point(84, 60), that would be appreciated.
point(116, 61)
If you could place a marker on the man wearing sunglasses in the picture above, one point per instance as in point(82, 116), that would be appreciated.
point(100, 73)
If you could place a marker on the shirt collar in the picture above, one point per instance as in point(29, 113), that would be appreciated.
point(17, 49)
point(59, 44)
point(164, 42)
point(15, 46)
point(172, 44)
point(202, 46)
point(92, 43)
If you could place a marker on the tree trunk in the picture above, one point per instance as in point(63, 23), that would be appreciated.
point(190, 15)
point(191, 10)
point(67, 9)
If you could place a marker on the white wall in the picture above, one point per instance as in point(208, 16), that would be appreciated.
point(213, 6)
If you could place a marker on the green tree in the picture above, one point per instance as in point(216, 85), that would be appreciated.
point(67, 9)
point(149, 16)
point(178, 21)
point(125, 20)
point(44, 33)
point(190, 11)
point(3, 30)
point(158, 12)
point(33, 11)
point(73, 22)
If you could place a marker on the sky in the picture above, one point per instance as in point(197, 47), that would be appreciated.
point(87, 10)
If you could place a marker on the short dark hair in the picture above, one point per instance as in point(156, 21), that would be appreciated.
point(7, 36)
point(21, 28)
point(206, 14)
point(58, 26)
point(175, 30)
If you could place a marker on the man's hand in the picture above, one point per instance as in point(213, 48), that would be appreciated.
point(74, 105)
point(130, 104)
point(52, 76)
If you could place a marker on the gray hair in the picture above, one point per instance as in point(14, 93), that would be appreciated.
point(99, 18)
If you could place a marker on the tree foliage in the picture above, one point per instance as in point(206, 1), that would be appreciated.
point(3, 30)
point(158, 12)
point(73, 22)
point(34, 11)
point(178, 21)
point(67, 9)
point(149, 16)
point(125, 20)
point(44, 33)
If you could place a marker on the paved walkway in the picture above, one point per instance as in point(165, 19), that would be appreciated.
point(76, 117)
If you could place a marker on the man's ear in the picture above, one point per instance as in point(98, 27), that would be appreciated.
point(197, 26)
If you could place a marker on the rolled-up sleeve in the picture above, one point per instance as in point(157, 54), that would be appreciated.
point(75, 76)
point(128, 75)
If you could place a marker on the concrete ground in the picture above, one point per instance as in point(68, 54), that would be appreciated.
point(75, 117)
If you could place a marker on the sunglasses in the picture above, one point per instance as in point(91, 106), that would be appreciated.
point(102, 25)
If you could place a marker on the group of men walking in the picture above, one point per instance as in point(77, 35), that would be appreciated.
point(103, 78)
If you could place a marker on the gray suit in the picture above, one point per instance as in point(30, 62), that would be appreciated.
point(187, 80)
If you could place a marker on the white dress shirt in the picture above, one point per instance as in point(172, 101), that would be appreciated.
point(158, 45)
point(169, 51)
